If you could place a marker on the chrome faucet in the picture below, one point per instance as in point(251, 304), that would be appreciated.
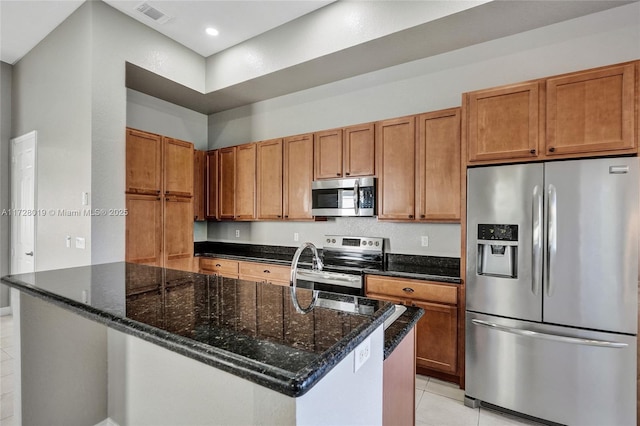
point(316, 266)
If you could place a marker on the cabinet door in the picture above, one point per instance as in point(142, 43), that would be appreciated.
point(591, 111)
point(504, 123)
point(396, 148)
point(437, 337)
point(144, 229)
point(270, 179)
point(227, 183)
point(143, 162)
point(199, 180)
point(327, 153)
point(178, 167)
point(298, 175)
point(438, 186)
point(178, 232)
point(211, 189)
point(246, 182)
point(359, 150)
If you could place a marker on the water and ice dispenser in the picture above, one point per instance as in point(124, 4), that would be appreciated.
point(498, 250)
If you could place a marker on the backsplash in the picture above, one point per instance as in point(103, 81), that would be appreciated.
point(402, 238)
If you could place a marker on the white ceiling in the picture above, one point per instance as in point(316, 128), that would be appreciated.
point(24, 23)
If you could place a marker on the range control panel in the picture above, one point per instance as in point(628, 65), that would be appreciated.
point(337, 242)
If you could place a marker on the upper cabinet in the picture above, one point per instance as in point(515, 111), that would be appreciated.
point(199, 185)
point(269, 179)
point(246, 182)
point(348, 152)
point(586, 113)
point(227, 183)
point(503, 123)
point(178, 167)
point(591, 111)
point(298, 175)
point(396, 150)
point(211, 188)
point(438, 152)
point(143, 162)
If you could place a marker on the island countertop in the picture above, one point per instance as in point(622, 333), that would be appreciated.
point(246, 328)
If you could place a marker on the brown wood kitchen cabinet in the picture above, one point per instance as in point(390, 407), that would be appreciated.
point(438, 177)
point(245, 182)
point(585, 113)
point(143, 162)
point(396, 155)
point(159, 227)
point(437, 330)
point(298, 175)
point(347, 152)
point(269, 179)
point(199, 185)
point(227, 182)
point(211, 188)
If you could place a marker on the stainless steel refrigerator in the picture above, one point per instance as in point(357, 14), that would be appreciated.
point(552, 289)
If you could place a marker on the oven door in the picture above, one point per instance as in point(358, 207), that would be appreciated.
point(331, 282)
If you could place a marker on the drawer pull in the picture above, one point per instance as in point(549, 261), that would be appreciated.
point(408, 290)
point(266, 271)
point(218, 265)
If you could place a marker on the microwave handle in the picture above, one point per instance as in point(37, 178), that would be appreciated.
point(356, 196)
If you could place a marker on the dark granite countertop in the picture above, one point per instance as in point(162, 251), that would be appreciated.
point(246, 328)
point(432, 268)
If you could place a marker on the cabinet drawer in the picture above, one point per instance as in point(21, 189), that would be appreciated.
point(274, 274)
point(411, 289)
point(224, 267)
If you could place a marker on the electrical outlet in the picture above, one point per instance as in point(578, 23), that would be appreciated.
point(425, 241)
point(67, 241)
point(80, 242)
point(237, 233)
point(362, 352)
point(296, 236)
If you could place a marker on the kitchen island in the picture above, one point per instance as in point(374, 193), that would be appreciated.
point(146, 345)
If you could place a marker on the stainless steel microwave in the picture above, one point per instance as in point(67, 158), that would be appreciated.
point(344, 197)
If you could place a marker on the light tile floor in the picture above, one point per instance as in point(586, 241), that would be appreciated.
point(438, 403)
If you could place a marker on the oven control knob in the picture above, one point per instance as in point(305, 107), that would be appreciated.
point(333, 240)
point(377, 243)
point(370, 243)
point(328, 240)
point(364, 243)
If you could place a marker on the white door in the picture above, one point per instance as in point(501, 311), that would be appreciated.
point(23, 206)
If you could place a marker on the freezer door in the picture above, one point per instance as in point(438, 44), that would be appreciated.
point(501, 277)
point(560, 374)
point(591, 271)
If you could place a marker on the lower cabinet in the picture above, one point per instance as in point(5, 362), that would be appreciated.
point(437, 330)
point(250, 271)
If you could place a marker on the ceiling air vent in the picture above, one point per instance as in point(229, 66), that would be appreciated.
point(153, 13)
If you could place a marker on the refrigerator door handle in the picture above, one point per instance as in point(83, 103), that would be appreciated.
point(547, 336)
point(536, 253)
point(552, 235)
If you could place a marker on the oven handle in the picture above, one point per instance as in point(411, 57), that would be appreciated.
point(356, 196)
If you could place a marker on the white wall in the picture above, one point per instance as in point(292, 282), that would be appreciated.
point(117, 39)
point(154, 115)
point(6, 72)
point(424, 85)
point(52, 94)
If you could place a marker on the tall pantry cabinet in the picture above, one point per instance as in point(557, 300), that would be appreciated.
point(159, 197)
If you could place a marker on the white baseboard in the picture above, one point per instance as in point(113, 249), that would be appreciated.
point(5, 311)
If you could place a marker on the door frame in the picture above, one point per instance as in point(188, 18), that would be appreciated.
point(13, 141)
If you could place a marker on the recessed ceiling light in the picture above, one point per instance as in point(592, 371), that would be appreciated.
point(212, 31)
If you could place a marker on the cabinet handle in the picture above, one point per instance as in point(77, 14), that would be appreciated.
point(552, 149)
point(286, 216)
point(195, 218)
point(533, 151)
point(158, 191)
point(218, 265)
point(166, 192)
point(348, 174)
point(158, 198)
point(408, 290)
point(266, 271)
point(422, 216)
point(337, 174)
point(279, 216)
point(410, 216)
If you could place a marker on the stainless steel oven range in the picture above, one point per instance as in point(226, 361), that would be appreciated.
point(344, 259)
